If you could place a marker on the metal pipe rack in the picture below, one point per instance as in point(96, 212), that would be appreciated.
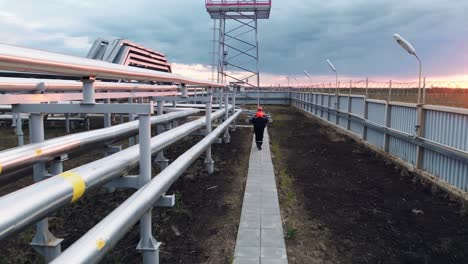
point(61, 192)
point(55, 189)
point(100, 239)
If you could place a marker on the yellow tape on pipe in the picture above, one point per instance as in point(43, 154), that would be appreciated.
point(76, 182)
point(100, 243)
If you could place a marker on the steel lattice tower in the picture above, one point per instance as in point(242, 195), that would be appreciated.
point(235, 39)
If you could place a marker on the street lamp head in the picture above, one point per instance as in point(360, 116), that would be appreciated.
point(404, 44)
point(331, 65)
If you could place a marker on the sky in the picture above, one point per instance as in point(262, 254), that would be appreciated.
point(356, 35)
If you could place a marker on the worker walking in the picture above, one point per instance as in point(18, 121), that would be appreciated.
point(259, 121)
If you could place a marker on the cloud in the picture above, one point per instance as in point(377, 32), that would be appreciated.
point(356, 35)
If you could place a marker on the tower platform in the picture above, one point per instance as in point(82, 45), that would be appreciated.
point(259, 8)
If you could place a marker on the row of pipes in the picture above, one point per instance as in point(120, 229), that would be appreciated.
point(34, 203)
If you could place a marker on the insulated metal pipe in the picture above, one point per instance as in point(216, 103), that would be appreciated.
point(28, 154)
point(8, 84)
point(28, 205)
point(14, 58)
point(101, 238)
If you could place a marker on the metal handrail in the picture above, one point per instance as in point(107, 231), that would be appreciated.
point(14, 58)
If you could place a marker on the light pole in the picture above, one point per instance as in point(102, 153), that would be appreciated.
point(410, 49)
point(336, 73)
point(310, 78)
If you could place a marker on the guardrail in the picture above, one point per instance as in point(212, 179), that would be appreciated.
point(431, 140)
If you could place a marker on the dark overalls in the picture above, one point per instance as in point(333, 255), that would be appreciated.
point(259, 123)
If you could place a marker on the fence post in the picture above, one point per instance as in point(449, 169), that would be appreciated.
point(366, 112)
point(424, 91)
point(420, 127)
point(337, 104)
point(390, 91)
point(388, 115)
point(367, 88)
point(348, 126)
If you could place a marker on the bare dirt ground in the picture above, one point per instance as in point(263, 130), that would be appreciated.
point(341, 203)
point(201, 228)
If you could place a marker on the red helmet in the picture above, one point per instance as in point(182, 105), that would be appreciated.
point(260, 108)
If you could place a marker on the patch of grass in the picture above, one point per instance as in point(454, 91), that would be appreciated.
point(287, 187)
point(179, 207)
point(275, 148)
point(231, 259)
point(291, 233)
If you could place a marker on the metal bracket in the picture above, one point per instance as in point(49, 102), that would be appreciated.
point(201, 132)
point(227, 137)
point(47, 245)
point(129, 181)
point(150, 245)
point(161, 161)
point(112, 149)
point(166, 201)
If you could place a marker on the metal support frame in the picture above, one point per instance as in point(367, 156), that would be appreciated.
point(44, 242)
point(19, 128)
point(109, 150)
point(160, 160)
point(131, 117)
point(183, 90)
point(209, 162)
point(67, 123)
point(241, 38)
point(111, 229)
point(88, 91)
point(226, 136)
point(233, 126)
point(148, 244)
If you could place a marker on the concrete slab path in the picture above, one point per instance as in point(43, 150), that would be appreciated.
point(260, 237)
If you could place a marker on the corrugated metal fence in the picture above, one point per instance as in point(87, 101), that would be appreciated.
point(428, 138)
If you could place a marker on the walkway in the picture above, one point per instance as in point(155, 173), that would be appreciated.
point(260, 236)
